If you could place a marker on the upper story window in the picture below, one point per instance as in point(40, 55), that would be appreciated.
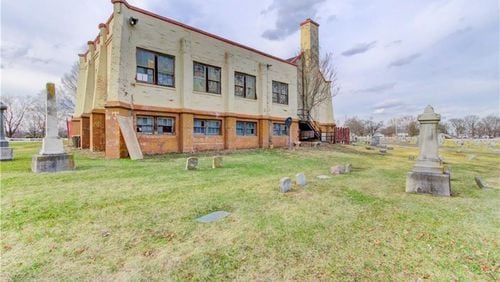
point(280, 92)
point(158, 125)
point(155, 68)
point(246, 128)
point(244, 85)
point(206, 78)
point(207, 127)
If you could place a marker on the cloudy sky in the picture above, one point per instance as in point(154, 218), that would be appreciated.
point(393, 57)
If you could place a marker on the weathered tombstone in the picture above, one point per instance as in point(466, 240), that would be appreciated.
point(338, 169)
point(427, 176)
point(368, 148)
point(323, 177)
point(411, 157)
point(348, 168)
point(217, 162)
point(191, 163)
point(479, 182)
point(213, 216)
point(285, 184)
point(390, 148)
point(300, 178)
point(471, 157)
point(5, 152)
point(383, 151)
point(376, 139)
point(52, 157)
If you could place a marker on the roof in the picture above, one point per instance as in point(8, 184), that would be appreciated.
point(174, 22)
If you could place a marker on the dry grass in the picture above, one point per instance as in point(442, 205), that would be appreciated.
point(126, 220)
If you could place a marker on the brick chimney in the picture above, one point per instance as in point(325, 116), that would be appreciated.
point(309, 41)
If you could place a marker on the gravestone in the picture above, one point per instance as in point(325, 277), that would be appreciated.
point(471, 157)
point(300, 178)
point(348, 168)
point(383, 151)
point(217, 162)
point(428, 176)
point(285, 184)
point(376, 139)
point(479, 182)
point(52, 157)
point(411, 157)
point(6, 153)
point(338, 169)
point(368, 148)
point(323, 177)
point(191, 163)
point(214, 216)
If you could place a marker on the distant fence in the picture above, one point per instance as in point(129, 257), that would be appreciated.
point(386, 140)
point(340, 135)
point(24, 139)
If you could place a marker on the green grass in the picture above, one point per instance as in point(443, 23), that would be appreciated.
point(134, 220)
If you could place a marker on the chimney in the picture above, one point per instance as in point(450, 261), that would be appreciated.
point(309, 41)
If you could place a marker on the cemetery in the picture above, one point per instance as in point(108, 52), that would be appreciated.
point(344, 213)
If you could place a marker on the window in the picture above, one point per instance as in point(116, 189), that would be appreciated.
point(246, 128)
point(155, 68)
point(280, 92)
point(279, 129)
point(207, 127)
point(206, 78)
point(244, 85)
point(158, 125)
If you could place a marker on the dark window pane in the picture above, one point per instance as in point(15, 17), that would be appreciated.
point(199, 70)
point(213, 87)
point(165, 79)
point(213, 73)
point(145, 59)
point(145, 75)
point(239, 91)
point(145, 124)
point(199, 84)
point(165, 64)
point(239, 79)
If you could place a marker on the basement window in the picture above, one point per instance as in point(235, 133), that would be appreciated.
point(280, 93)
point(155, 68)
point(207, 127)
point(246, 128)
point(155, 125)
point(279, 129)
point(206, 78)
point(244, 85)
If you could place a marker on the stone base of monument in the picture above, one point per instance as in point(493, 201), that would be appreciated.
point(6, 154)
point(437, 184)
point(52, 163)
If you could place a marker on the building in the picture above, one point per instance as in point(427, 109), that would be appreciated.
point(186, 89)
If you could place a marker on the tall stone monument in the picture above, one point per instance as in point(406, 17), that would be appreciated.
point(5, 152)
point(428, 176)
point(52, 157)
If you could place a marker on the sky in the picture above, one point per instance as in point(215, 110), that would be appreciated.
point(392, 57)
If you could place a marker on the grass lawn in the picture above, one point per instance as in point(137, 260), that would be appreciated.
point(134, 220)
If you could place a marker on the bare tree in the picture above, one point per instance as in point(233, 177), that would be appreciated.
point(458, 126)
point(413, 128)
point(16, 112)
point(471, 123)
point(372, 126)
point(490, 126)
point(319, 82)
point(356, 126)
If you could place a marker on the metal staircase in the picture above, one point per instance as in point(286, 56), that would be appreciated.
point(308, 127)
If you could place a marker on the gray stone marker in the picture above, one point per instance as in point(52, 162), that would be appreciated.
point(368, 148)
point(191, 163)
point(338, 169)
point(52, 157)
point(6, 153)
point(323, 177)
point(348, 168)
point(427, 176)
point(214, 216)
point(382, 151)
point(376, 139)
point(411, 157)
point(471, 157)
point(217, 162)
point(300, 178)
point(479, 182)
point(285, 184)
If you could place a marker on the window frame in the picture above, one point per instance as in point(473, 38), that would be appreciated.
point(205, 126)
point(279, 94)
point(155, 125)
point(156, 71)
point(245, 94)
point(206, 68)
point(282, 131)
point(246, 128)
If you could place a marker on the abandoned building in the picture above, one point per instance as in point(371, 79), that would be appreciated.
point(188, 90)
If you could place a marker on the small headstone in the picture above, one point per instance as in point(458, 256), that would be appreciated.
point(191, 163)
point(5, 151)
point(471, 157)
point(390, 148)
point(348, 168)
point(300, 178)
point(214, 216)
point(322, 177)
point(479, 182)
point(217, 162)
point(285, 184)
point(411, 157)
point(338, 169)
point(368, 148)
point(383, 151)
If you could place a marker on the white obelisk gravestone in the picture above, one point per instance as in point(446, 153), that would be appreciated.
point(52, 157)
point(5, 152)
point(427, 176)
